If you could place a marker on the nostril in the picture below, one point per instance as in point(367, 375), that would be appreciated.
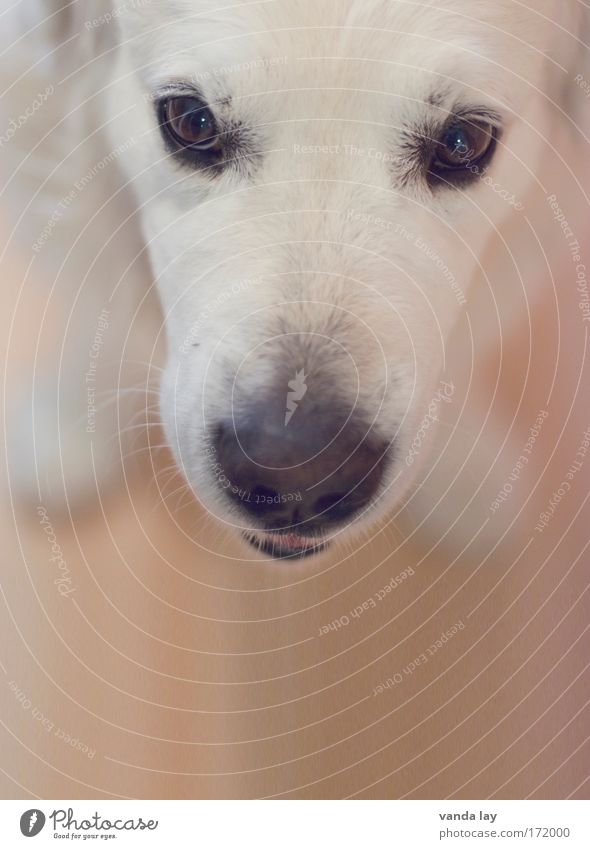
point(338, 505)
point(264, 492)
point(328, 502)
point(298, 478)
point(264, 495)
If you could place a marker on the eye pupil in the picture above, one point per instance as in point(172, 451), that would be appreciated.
point(462, 145)
point(457, 142)
point(191, 123)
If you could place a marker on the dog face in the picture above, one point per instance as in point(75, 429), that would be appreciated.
point(316, 183)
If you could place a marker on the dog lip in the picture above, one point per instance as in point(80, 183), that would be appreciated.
point(285, 546)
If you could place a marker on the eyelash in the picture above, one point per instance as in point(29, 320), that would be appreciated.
point(421, 146)
point(193, 158)
point(470, 174)
point(418, 147)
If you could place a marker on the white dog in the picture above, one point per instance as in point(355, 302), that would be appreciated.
point(314, 182)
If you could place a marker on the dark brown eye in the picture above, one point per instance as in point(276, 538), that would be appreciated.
point(190, 123)
point(463, 144)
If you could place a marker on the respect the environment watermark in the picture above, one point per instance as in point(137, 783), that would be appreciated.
point(67, 200)
point(371, 220)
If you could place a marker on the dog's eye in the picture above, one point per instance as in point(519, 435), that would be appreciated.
point(463, 144)
point(190, 123)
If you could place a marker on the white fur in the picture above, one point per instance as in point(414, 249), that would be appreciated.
point(299, 243)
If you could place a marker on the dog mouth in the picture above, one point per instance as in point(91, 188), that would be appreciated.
point(288, 545)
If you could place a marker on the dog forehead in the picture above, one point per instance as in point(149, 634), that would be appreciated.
point(422, 15)
point(400, 46)
point(206, 32)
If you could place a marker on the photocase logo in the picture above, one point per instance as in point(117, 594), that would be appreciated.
point(32, 822)
point(298, 388)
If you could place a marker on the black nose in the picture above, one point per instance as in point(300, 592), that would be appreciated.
point(304, 472)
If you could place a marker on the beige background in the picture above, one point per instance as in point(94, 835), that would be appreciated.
point(191, 673)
